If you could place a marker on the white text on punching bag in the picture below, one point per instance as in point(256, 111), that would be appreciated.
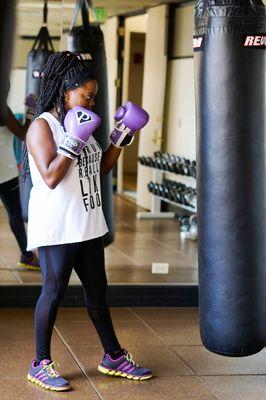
point(255, 41)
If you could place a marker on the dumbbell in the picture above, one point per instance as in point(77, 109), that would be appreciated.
point(142, 160)
point(149, 162)
point(151, 187)
point(161, 190)
point(177, 165)
point(192, 169)
point(184, 224)
point(156, 189)
point(183, 166)
point(190, 199)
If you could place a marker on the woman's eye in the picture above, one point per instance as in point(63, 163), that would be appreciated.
point(88, 97)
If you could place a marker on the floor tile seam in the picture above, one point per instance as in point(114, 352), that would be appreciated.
point(125, 224)
point(125, 255)
point(167, 247)
point(212, 388)
point(75, 359)
point(14, 273)
point(4, 260)
point(184, 361)
point(149, 327)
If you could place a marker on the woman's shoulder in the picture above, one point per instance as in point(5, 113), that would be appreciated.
point(47, 116)
point(40, 122)
point(39, 127)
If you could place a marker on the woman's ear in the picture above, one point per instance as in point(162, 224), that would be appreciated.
point(67, 96)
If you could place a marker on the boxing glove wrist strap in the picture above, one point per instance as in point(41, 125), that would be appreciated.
point(121, 139)
point(65, 153)
point(72, 145)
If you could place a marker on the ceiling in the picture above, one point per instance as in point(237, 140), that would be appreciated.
point(29, 12)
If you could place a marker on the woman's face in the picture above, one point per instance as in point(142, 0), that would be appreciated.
point(82, 96)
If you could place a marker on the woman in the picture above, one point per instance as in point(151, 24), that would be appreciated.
point(9, 183)
point(66, 226)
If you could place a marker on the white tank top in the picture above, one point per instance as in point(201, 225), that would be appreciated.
point(8, 165)
point(72, 212)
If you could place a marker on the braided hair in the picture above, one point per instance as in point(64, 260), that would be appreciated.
point(60, 73)
point(60, 68)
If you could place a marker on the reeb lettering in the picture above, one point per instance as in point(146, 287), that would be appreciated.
point(255, 41)
point(197, 42)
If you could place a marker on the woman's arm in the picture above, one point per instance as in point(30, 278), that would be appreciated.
point(52, 166)
point(109, 158)
point(14, 126)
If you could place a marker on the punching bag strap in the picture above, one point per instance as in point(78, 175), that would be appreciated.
point(84, 6)
point(43, 38)
point(45, 12)
point(93, 10)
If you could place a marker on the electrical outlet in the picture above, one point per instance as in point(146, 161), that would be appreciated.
point(160, 268)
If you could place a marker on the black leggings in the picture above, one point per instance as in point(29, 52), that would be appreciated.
point(9, 194)
point(57, 262)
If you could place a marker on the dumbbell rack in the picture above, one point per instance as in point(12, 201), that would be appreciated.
point(156, 200)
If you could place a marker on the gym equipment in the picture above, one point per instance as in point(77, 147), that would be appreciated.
point(88, 41)
point(42, 48)
point(171, 163)
point(37, 57)
point(188, 227)
point(229, 45)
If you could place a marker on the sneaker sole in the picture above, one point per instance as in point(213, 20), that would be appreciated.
point(48, 387)
point(28, 266)
point(112, 372)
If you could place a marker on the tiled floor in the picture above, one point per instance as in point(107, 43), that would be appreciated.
point(164, 339)
point(137, 244)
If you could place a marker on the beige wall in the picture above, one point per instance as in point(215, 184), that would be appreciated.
point(153, 95)
point(132, 24)
point(111, 47)
point(135, 95)
point(179, 127)
point(183, 31)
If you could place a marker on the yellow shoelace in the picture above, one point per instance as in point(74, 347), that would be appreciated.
point(50, 368)
point(130, 359)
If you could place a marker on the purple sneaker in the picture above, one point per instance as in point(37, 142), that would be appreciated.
point(46, 376)
point(123, 366)
point(31, 262)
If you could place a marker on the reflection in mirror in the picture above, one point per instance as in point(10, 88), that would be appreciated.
point(146, 250)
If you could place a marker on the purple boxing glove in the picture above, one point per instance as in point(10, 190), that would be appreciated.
point(130, 118)
point(79, 124)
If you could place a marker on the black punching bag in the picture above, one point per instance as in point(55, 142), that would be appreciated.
point(88, 41)
point(37, 57)
point(230, 70)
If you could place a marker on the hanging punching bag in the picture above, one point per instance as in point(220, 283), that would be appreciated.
point(230, 70)
point(88, 41)
point(41, 50)
point(37, 57)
